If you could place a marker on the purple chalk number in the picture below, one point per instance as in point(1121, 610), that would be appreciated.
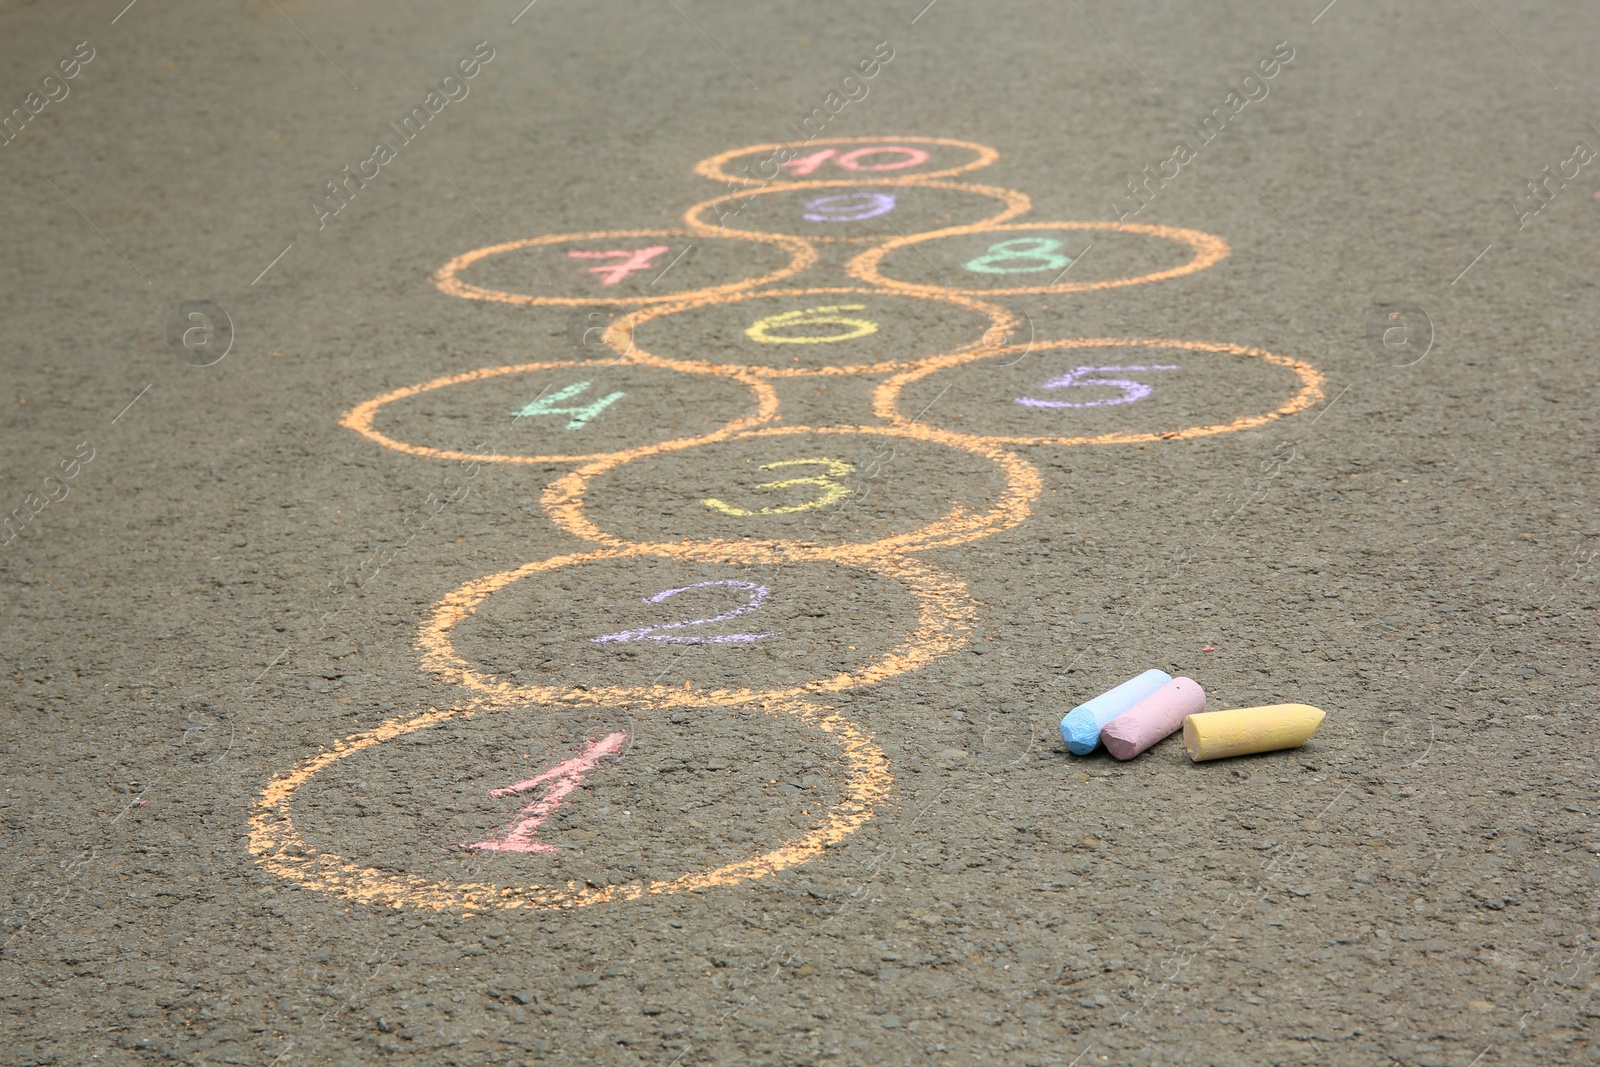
point(848, 207)
point(1131, 391)
point(758, 594)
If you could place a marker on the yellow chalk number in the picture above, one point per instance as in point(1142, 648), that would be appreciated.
point(831, 490)
point(761, 329)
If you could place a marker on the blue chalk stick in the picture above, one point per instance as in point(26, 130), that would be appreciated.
point(1080, 729)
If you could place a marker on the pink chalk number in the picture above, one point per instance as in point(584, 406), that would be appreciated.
point(559, 782)
point(806, 164)
point(910, 157)
point(632, 260)
point(1131, 391)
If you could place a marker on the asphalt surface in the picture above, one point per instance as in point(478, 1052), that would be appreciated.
point(496, 571)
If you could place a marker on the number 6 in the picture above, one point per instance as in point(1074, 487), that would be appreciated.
point(761, 329)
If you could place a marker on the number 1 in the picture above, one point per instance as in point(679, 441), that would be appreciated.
point(560, 781)
point(807, 164)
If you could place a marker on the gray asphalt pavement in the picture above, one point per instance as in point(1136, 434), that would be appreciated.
point(563, 533)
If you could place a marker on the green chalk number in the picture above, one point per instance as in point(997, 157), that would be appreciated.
point(579, 416)
point(1021, 255)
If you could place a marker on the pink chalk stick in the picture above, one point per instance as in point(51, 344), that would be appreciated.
point(1156, 716)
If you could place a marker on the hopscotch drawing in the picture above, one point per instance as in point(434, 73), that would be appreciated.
point(923, 246)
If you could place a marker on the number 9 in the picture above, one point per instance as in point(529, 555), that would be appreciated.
point(848, 207)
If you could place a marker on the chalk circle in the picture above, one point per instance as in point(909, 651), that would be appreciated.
point(496, 424)
point(799, 333)
point(278, 844)
point(945, 613)
point(585, 325)
point(728, 490)
point(969, 245)
point(565, 281)
point(723, 166)
point(815, 211)
point(887, 398)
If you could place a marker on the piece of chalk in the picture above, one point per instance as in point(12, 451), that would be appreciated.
point(1245, 731)
point(1080, 729)
point(1156, 716)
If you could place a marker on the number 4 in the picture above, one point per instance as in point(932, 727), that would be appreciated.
point(546, 405)
point(912, 157)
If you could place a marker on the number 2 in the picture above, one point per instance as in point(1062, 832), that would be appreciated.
point(758, 594)
point(831, 490)
point(1131, 391)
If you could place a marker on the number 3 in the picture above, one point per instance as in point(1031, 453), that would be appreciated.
point(832, 491)
point(1131, 391)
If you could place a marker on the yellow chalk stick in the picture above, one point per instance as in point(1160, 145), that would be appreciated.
point(1244, 731)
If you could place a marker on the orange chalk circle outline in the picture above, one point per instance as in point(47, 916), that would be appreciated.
point(277, 844)
point(946, 613)
point(1015, 204)
point(712, 166)
point(563, 501)
point(945, 610)
point(886, 397)
point(619, 335)
point(1209, 249)
point(447, 278)
point(360, 417)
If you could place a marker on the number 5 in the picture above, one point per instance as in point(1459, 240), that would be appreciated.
point(1131, 391)
point(831, 490)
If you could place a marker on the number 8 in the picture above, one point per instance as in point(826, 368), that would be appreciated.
point(1041, 250)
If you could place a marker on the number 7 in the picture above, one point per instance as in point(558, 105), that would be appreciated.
point(1131, 391)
